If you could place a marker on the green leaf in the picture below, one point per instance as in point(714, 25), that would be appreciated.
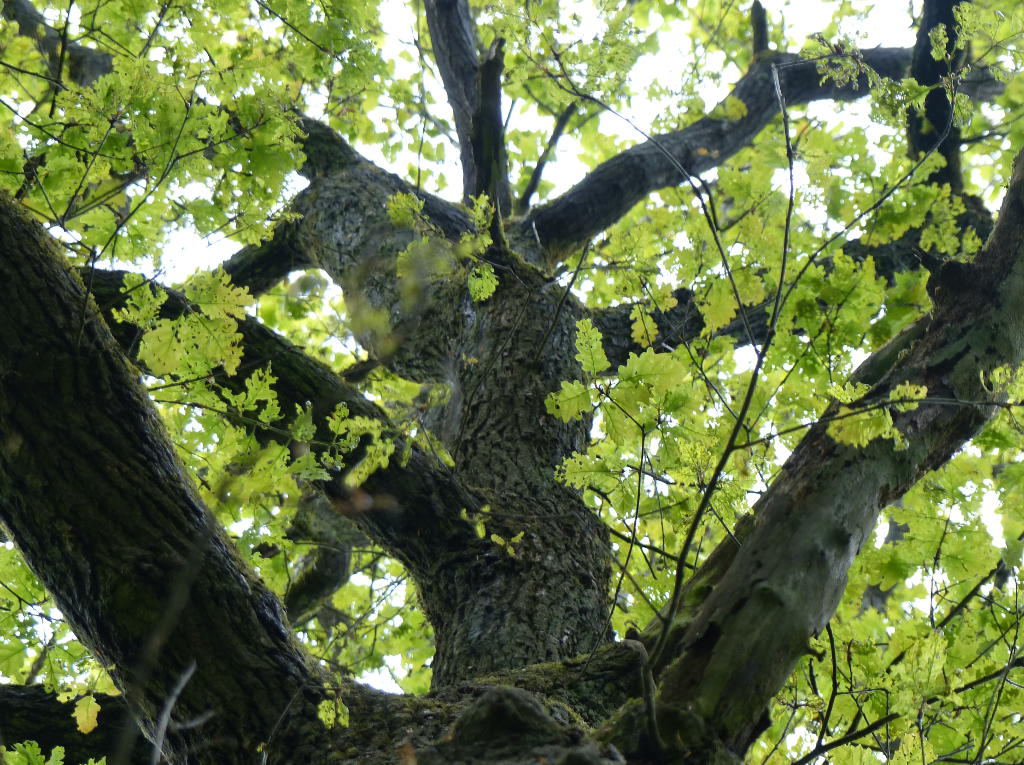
point(859, 428)
point(906, 396)
point(718, 306)
point(848, 392)
point(939, 39)
point(570, 402)
point(218, 299)
point(590, 348)
point(142, 301)
point(482, 282)
point(86, 714)
point(731, 109)
point(405, 210)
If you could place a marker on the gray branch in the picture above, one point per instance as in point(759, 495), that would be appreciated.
point(473, 86)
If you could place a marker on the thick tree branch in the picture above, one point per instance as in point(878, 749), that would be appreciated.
point(259, 267)
point(473, 86)
point(430, 329)
point(782, 585)
point(94, 496)
point(343, 227)
point(610, 190)
point(924, 128)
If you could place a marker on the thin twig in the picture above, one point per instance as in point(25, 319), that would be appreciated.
point(165, 714)
point(565, 295)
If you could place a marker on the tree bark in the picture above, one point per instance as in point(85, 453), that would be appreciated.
point(490, 609)
point(734, 648)
point(92, 493)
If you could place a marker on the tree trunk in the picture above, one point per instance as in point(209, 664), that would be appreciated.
point(492, 605)
point(511, 567)
point(97, 501)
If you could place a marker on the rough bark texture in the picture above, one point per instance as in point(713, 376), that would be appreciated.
point(509, 452)
point(487, 606)
point(767, 598)
point(92, 493)
point(97, 502)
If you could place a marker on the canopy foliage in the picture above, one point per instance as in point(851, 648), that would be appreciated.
point(643, 356)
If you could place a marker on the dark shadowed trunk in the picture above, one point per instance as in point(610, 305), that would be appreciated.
point(97, 500)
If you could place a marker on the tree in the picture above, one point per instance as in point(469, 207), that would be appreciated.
point(596, 464)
